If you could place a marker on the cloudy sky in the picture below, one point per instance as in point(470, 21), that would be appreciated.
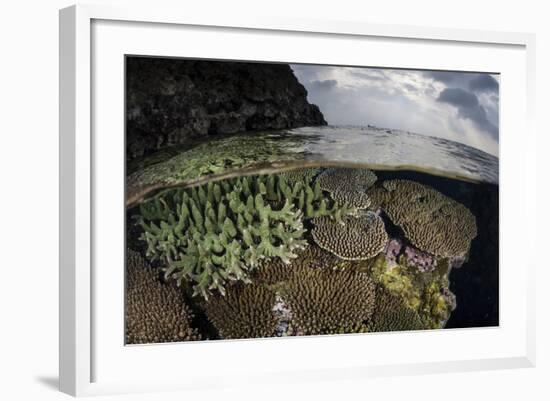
point(459, 106)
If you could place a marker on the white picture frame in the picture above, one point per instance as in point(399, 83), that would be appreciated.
point(88, 366)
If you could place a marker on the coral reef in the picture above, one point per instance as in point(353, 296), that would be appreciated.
point(431, 221)
point(358, 200)
point(425, 292)
point(397, 279)
point(155, 312)
point(246, 311)
point(347, 179)
point(392, 314)
point(348, 185)
point(395, 250)
point(355, 238)
point(274, 271)
point(219, 231)
point(301, 175)
point(324, 301)
point(213, 157)
point(438, 304)
point(421, 260)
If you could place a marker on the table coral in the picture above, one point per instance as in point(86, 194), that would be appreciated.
point(355, 238)
point(348, 185)
point(431, 221)
point(346, 179)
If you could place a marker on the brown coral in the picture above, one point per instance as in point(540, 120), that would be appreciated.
point(300, 175)
point(348, 185)
point(325, 301)
point(392, 314)
point(355, 238)
point(155, 312)
point(275, 271)
point(246, 311)
point(346, 179)
point(358, 200)
point(430, 220)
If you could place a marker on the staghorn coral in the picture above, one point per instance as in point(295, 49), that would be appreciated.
point(430, 220)
point(393, 314)
point(246, 311)
point(324, 301)
point(218, 232)
point(155, 312)
point(355, 238)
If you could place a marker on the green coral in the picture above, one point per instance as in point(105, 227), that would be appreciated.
point(219, 231)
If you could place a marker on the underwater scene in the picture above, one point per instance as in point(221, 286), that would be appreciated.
point(248, 215)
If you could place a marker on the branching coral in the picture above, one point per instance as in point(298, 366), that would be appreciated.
point(246, 311)
point(324, 301)
point(393, 314)
point(219, 231)
point(430, 220)
point(355, 238)
point(155, 312)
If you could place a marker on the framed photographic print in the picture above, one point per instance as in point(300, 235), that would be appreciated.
point(266, 197)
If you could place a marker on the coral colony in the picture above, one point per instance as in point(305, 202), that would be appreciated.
point(302, 252)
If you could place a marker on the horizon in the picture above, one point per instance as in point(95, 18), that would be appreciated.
point(459, 106)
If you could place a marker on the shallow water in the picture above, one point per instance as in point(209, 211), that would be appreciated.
point(395, 148)
point(275, 151)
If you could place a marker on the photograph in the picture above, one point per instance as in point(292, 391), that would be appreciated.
point(276, 199)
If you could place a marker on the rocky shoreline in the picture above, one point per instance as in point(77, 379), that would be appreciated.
point(172, 101)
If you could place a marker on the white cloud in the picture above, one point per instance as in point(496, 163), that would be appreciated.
point(406, 100)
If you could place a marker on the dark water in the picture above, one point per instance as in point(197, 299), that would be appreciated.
point(476, 283)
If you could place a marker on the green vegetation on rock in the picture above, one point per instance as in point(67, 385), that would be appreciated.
point(425, 293)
